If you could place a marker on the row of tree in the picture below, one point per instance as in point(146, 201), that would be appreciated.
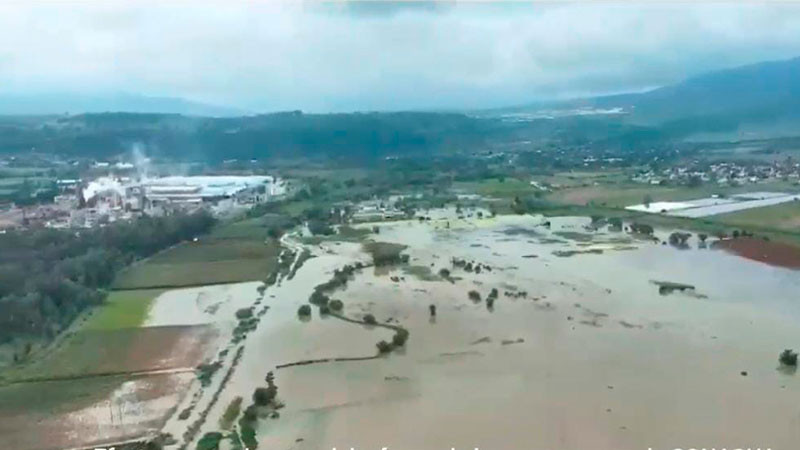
point(48, 276)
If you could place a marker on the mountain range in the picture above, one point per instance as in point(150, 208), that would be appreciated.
point(760, 100)
point(74, 103)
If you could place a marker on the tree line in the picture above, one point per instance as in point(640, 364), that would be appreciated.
point(49, 276)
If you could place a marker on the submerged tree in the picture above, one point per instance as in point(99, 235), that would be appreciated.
point(788, 358)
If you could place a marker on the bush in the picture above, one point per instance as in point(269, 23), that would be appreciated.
point(231, 413)
point(248, 435)
point(370, 319)
point(263, 396)
point(336, 305)
point(318, 227)
point(324, 310)
point(318, 298)
point(432, 309)
point(210, 441)
point(244, 313)
point(475, 296)
point(385, 253)
point(400, 337)
point(250, 414)
point(642, 228)
point(788, 358)
point(206, 371)
point(444, 273)
point(304, 311)
point(384, 347)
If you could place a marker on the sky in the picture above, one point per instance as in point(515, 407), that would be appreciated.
point(322, 57)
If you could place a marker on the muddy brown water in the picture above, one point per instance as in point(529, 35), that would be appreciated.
point(598, 360)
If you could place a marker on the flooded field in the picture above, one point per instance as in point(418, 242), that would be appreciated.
point(582, 347)
point(554, 332)
point(108, 384)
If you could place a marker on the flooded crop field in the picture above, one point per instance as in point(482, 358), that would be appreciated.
point(558, 332)
point(581, 346)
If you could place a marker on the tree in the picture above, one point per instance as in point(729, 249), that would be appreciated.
point(384, 347)
point(244, 313)
point(304, 311)
point(370, 319)
point(210, 441)
point(432, 309)
point(263, 396)
point(336, 305)
point(788, 358)
point(475, 296)
point(400, 337)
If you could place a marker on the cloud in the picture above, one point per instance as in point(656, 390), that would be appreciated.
point(345, 56)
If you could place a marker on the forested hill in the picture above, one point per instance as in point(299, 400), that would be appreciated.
point(291, 134)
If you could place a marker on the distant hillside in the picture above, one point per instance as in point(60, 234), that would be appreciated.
point(758, 98)
point(763, 91)
point(291, 134)
point(67, 103)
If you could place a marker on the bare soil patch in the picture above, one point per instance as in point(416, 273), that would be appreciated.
point(773, 253)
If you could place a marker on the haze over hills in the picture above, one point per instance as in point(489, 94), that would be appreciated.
point(749, 102)
point(75, 103)
point(761, 98)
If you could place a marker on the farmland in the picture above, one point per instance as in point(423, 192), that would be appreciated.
point(784, 217)
point(208, 261)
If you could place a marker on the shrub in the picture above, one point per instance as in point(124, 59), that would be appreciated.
point(336, 305)
point(370, 319)
point(642, 228)
point(250, 414)
point(490, 302)
point(210, 441)
point(304, 311)
point(263, 396)
point(324, 310)
point(318, 298)
point(384, 347)
point(244, 313)
point(385, 253)
point(231, 413)
point(248, 434)
point(400, 337)
point(788, 358)
point(432, 309)
point(206, 371)
point(475, 296)
point(444, 273)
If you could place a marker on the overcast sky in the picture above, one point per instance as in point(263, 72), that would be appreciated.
point(344, 57)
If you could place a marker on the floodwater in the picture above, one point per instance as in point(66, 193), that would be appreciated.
point(593, 357)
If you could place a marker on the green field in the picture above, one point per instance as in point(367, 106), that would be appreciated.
point(123, 309)
point(782, 217)
point(208, 261)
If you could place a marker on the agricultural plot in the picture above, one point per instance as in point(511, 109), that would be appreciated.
point(784, 217)
point(209, 261)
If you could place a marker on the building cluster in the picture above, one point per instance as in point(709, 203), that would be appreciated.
point(108, 199)
point(722, 173)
